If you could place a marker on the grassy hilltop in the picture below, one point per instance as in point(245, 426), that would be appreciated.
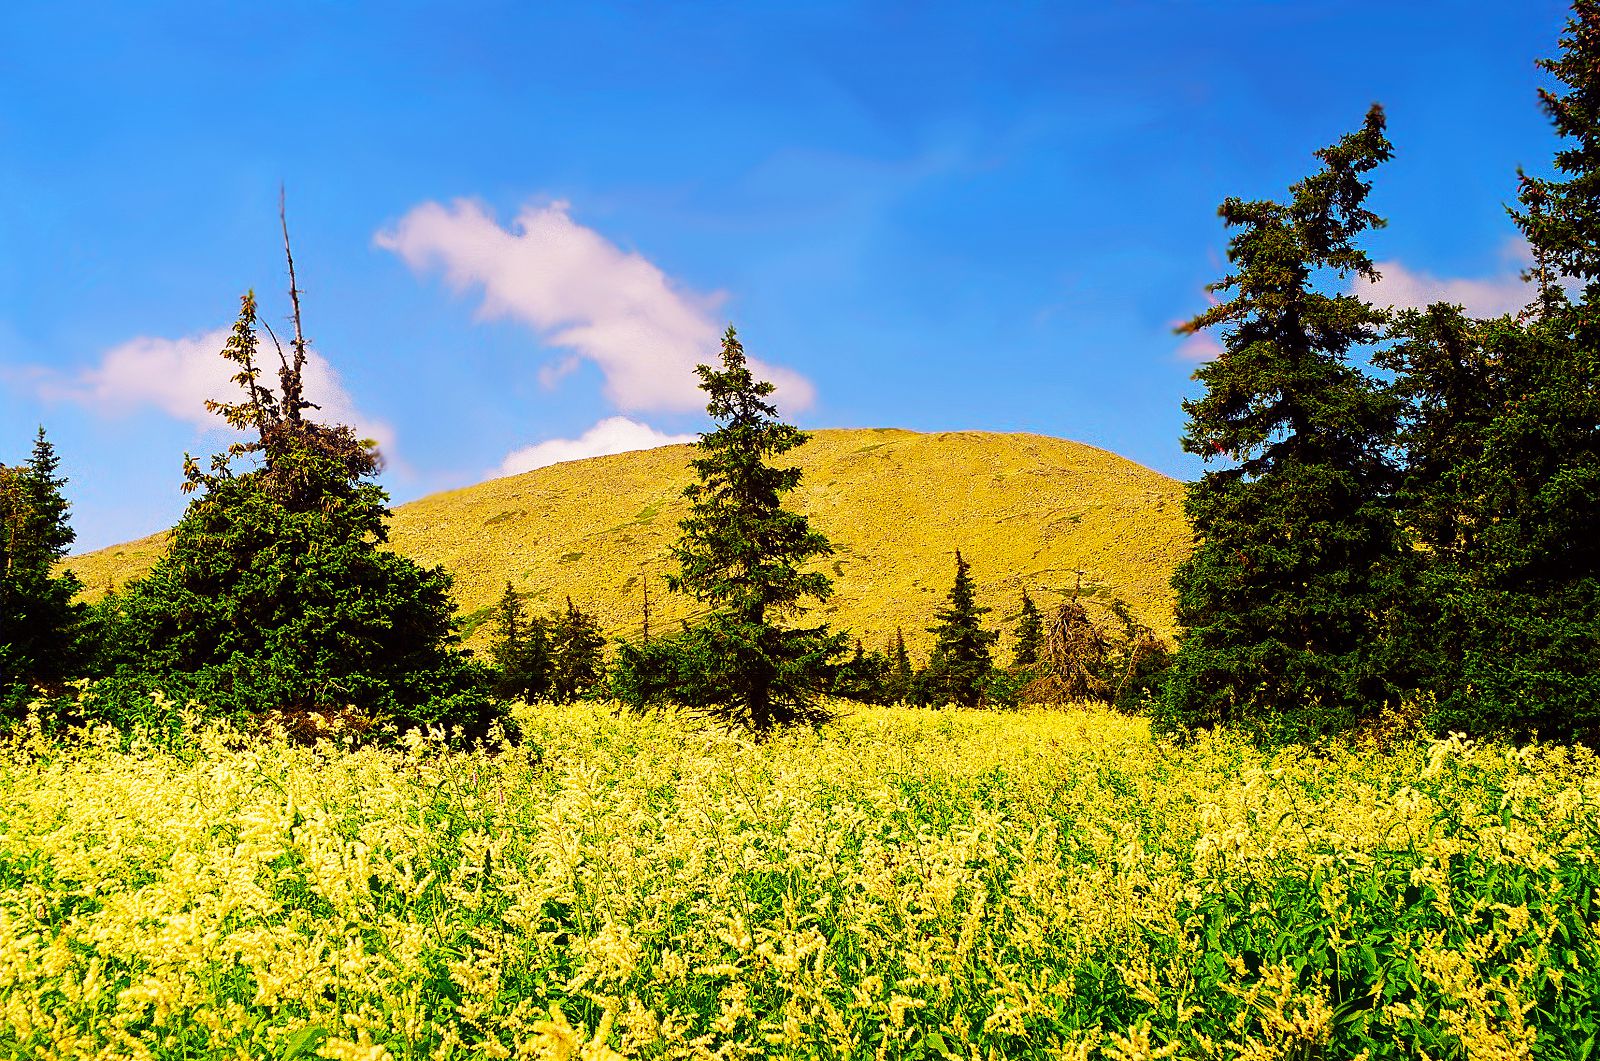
point(1025, 510)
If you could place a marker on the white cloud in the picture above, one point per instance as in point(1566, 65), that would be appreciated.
point(581, 292)
point(1401, 288)
point(615, 434)
point(178, 376)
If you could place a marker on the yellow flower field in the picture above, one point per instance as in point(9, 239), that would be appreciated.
point(906, 884)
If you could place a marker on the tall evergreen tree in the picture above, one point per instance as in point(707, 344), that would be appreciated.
point(959, 670)
point(577, 653)
point(37, 613)
point(1030, 634)
point(1295, 544)
point(1502, 437)
point(742, 553)
point(520, 651)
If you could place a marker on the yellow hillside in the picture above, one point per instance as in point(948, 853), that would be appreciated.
point(1025, 510)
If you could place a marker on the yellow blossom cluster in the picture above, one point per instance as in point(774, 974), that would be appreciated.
point(904, 885)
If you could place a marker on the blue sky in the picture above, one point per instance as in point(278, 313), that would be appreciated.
point(516, 225)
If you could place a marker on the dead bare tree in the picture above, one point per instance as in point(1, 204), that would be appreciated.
point(1075, 652)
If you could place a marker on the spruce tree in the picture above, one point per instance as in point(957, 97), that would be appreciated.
point(864, 677)
point(847, 680)
point(901, 681)
point(520, 651)
point(1030, 634)
point(577, 653)
point(37, 612)
point(742, 553)
point(1295, 543)
point(959, 670)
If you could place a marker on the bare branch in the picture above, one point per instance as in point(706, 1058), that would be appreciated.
point(282, 358)
point(293, 399)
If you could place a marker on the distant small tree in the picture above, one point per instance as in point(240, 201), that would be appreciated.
point(1076, 654)
point(520, 651)
point(577, 653)
point(1030, 634)
point(900, 684)
point(1139, 664)
point(742, 553)
point(864, 677)
point(1116, 660)
point(37, 612)
point(960, 668)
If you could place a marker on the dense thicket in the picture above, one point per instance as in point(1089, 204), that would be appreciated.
point(577, 653)
point(519, 652)
point(37, 613)
point(560, 656)
point(1296, 546)
point(743, 554)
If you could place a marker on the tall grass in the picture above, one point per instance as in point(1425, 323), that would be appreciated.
point(905, 885)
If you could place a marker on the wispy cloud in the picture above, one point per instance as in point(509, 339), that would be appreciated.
point(1400, 287)
point(1199, 347)
point(615, 434)
point(583, 293)
point(178, 376)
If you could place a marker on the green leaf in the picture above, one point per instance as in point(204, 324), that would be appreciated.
point(304, 1041)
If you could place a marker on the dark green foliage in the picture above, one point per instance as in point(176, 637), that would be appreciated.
point(960, 671)
point(37, 613)
point(864, 677)
point(1561, 215)
point(1138, 663)
point(899, 684)
point(577, 653)
point(741, 552)
point(1030, 634)
point(520, 651)
point(1296, 547)
point(681, 670)
point(560, 657)
point(275, 596)
point(1500, 486)
point(1502, 483)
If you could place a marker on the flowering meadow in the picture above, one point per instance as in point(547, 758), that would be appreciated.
point(902, 885)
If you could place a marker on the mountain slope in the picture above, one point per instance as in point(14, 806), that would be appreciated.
point(1025, 510)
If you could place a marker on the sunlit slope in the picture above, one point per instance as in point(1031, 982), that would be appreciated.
point(1025, 510)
